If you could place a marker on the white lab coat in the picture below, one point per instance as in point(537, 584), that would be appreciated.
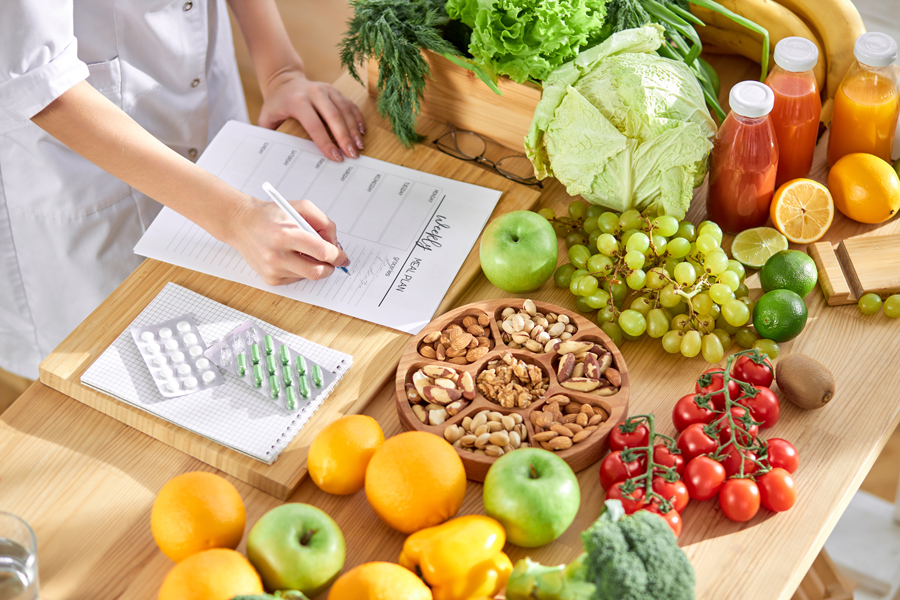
point(67, 228)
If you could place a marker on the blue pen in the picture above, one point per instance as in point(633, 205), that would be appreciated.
point(292, 213)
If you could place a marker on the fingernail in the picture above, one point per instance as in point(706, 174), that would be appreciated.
point(345, 264)
point(351, 151)
point(359, 143)
point(337, 155)
point(362, 129)
point(338, 244)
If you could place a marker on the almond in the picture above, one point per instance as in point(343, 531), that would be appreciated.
point(432, 337)
point(440, 352)
point(476, 330)
point(476, 353)
point(582, 419)
point(456, 352)
point(458, 360)
point(461, 341)
point(468, 321)
point(586, 409)
point(560, 443)
point(561, 429)
point(427, 352)
point(582, 435)
point(484, 342)
point(484, 320)
point(559, 399)
point(596, 420)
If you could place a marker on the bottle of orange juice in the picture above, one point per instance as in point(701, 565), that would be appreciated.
point(797, 107)
point(868, 102)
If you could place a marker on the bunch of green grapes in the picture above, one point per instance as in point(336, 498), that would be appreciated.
point(661, 276)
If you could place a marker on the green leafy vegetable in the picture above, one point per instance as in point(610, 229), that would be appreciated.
point(394, 33)
point(626, 558)
point(528, 39)
point(624, 127)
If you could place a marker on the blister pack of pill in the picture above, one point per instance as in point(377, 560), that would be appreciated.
point(271, 367)
point(173, 351)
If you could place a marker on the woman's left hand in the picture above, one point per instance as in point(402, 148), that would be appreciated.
point(320, 108)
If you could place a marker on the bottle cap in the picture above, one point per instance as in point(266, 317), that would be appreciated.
point(875, 49)
point(796, 54)
point(751, 99)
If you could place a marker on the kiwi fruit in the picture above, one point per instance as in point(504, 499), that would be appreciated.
point(804, 381)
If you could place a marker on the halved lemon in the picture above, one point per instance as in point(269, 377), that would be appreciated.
point(802, 210)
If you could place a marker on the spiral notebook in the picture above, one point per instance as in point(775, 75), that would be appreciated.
point(232, 414)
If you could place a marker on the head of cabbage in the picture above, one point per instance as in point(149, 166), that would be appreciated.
point(624, 127)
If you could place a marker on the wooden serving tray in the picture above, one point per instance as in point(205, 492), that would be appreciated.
point(857, 266)
point(580, 455)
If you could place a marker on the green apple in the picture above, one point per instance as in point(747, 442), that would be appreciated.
point(534, 494)
point(297, 547)
point(518, 251)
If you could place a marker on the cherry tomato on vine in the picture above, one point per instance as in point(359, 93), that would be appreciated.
point(630, 506)
point(614, 469)
point(737, 412)
point(665, 456)
point(715, 385)
point(777, 490)
point(686, 412)
point(672, 518)
point(748, 370)
point(674, 491)
point(693, 442)
point(619, 440)
point(739, 499)
point(783, 454)
point(764, 406)
point(703, 477)
point(732, 462)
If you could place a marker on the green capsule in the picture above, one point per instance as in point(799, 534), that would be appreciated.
point(317, 376)
point(242, 364)
point(291, 400)
point(273, 386)
point(270, 344)
point(257, 376)
point(301, 365)
point(286, 376)
point(304, 387)
point(285, 355)
point(270, 364)
point(254, 353)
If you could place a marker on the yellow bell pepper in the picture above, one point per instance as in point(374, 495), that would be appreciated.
point(461, 559)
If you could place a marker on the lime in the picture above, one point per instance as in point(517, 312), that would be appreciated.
point(779, 315)
point(754, 247)
point(789, 270)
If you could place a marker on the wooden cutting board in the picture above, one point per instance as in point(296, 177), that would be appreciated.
point(857, 266)
point(375, 348)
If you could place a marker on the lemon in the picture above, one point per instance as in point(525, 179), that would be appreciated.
point(789, 270)
point(802, 210)
point(754, 247)
point(865, 188)
point(780, 315)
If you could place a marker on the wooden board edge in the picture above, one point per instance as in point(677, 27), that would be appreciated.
point(831, 276)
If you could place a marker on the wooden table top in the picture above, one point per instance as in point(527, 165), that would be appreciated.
point(86, 482)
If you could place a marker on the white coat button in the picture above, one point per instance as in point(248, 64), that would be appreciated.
point(192, 153)
point(195, 83)
point(187, 6)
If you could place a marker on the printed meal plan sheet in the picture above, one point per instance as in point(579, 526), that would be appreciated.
point(406, 232)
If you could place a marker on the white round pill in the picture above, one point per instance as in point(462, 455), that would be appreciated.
point(165, 333)
point(159, 360)
point(202, 364)
point(171, 345)
point(178, 357)
point(195, 351)
point(152, 348)
point(147, 336)
point(184, 370)
point(190, 339)
point(184, 326)
point(165, 373)
point(209, 376)
point(190, 383)
point(172, 385)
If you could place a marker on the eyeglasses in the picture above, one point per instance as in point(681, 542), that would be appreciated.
point(468, 145)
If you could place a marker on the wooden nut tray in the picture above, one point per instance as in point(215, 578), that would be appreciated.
point(580, 455)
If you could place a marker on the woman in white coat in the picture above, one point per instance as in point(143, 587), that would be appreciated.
point(104, 106)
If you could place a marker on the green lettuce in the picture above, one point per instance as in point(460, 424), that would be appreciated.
point(528, 39)
point(624, 127)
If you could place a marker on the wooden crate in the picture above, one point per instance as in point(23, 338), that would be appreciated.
point(457, 96)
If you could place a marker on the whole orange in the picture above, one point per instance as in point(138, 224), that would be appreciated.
point(339, 455)
point(217, 574)
point(865, 188)
point(415, 480)
point(379, 581)
point(197, 511)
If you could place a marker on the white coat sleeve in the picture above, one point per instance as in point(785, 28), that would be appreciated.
point(38, 57)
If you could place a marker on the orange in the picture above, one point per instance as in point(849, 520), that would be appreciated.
point(339, 455)
point(379, 581)
point(415, 480)
point(217, 574)
point(802, 210)
point(865, 188)
point(194, 512)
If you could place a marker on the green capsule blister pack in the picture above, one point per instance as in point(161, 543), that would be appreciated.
point(275, 370)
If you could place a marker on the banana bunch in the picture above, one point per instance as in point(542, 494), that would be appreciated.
point(833, 25)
